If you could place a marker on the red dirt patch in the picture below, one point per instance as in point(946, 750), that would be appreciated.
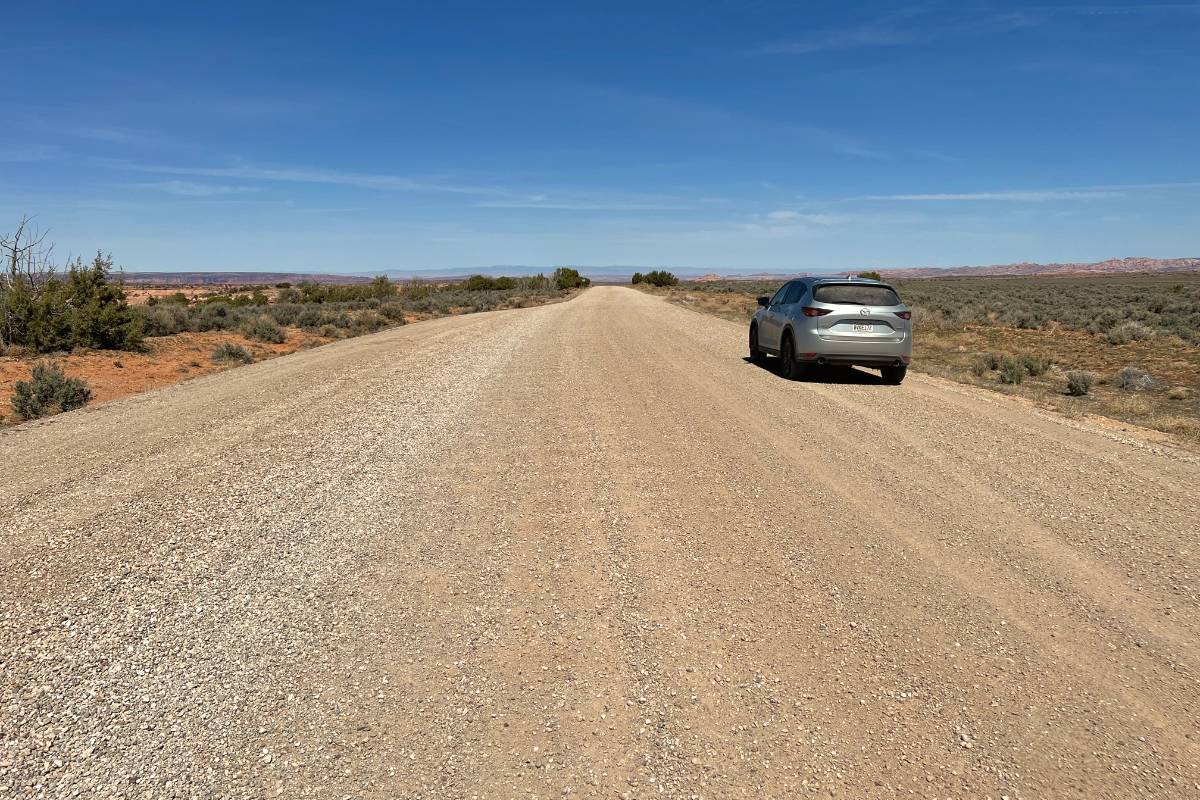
point(112, 374)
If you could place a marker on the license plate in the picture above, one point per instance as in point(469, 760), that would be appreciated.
point(859, 327)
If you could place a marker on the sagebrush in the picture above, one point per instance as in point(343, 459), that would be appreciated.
point(49, 391)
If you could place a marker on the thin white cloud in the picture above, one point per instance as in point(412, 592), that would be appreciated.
point(907, 27)
point(305, 175)
point(1102, 192)
point(1035, 196)
point(918, 26)
point(26, 154)
point(113, 134)
point(566, 205)
point(190, 189)
point(796, 217)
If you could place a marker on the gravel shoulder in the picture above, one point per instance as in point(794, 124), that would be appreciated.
point(588, 550)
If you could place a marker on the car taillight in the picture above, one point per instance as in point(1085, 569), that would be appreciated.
point(809, 311)
point(904, 314)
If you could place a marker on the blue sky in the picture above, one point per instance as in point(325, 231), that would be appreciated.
point(733, 136)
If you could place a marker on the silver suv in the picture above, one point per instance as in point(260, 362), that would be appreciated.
point(843, 321)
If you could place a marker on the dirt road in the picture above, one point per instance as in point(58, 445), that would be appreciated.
point(586, 550)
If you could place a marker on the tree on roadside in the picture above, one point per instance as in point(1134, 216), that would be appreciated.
point(26, 272)
point(46, 312)
point(660, 277)
point(568, 278)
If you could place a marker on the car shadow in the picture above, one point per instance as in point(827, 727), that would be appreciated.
point(831, 374)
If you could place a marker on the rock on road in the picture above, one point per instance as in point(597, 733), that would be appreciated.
point(587, 550)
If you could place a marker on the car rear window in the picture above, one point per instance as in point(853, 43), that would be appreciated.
point(859, 294)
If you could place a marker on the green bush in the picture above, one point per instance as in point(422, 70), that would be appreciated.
point(568, 278)
point(84, 309)
point(264, 329)
point(228, 352)
point(1035, 365)
point(164, 319)
point(638, 278)
point(394, 312)
point(1079, 382)
point(1011, 370)
point(48, 391)
point(479, 283)
point(660, 277)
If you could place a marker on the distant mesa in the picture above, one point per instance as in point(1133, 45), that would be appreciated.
point(1111, 266)
point(622, 274)
point(235, 278)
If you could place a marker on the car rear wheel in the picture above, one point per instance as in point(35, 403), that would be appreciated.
point(894, 375)
point(790, 368)
point(757, 356)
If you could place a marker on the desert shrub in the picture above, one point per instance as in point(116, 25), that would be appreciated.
point(568, 278)
point(1021, 318)
point(1128, 332)
point(981, 364)
point(1132, 379)
point(163, 319)
point(175, 298)
point(264, 329)
point(1179, 393)
point(368, 322)
point(871, 275)
point(536, 283)
point(215, 317)
point(929, 317)
point(339, 319)
point(393, 312)
point(309, 317)
point(380, 287)
point(1011, 370)
point(228, 352)
point(638, 278)
point(477, 283)
point(1079, 382)
point(48, 391)
point(284, 313)
point(1035, 365)
point(660, 277)
point(84, 308)
point(1096, 304)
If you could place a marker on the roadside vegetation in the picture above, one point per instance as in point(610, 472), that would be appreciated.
point(105, 346)
point(1121, 346)
point(657, 277)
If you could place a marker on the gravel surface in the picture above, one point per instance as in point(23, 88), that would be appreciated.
point(588, 550)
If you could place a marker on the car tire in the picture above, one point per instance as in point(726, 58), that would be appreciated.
point(790, 368)
point(757, 356)
point(893, 376)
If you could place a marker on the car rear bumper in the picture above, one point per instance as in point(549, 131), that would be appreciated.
point(859, 360)
point(814, 348)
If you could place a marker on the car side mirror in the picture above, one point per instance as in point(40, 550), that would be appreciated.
point(764, 301)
